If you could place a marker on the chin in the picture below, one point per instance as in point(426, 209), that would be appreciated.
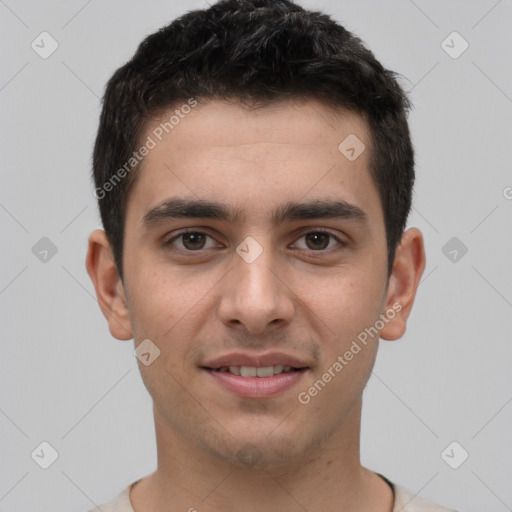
point(260, 451)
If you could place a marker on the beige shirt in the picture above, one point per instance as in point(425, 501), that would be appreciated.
point(405, 501)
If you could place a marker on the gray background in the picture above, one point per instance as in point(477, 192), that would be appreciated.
point(66, 381)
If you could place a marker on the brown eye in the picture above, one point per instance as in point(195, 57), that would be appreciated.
point(193, 241)
point(319, 240)
point(190, 241)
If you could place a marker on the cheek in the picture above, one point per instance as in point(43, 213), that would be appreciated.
point(345, 302)
point(161, 299)
point(169, 309)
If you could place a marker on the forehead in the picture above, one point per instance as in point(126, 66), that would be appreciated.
point(255, 158)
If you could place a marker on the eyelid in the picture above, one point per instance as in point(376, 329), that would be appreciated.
point(340, 243)
point(176, 235)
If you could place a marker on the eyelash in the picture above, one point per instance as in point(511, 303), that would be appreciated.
point(169, 243)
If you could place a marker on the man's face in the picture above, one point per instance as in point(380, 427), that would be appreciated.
point(299, 291)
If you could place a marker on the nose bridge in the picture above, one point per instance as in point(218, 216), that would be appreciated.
point(253, 294)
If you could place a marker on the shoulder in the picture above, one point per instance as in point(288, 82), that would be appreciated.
point(120, 504)
point(405, 501)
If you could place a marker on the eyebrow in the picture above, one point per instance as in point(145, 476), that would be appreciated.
point(180, 208)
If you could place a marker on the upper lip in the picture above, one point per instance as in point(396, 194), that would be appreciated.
point(255, 360)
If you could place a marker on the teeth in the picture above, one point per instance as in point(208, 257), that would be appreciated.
point(248, 371)
point(265, 371)
point(253, 371)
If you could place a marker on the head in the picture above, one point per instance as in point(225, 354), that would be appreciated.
point(247, 104)
point(255, 52)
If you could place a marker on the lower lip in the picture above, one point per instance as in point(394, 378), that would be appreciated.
point(257, 387)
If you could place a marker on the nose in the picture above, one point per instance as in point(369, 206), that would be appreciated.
point(256, 294)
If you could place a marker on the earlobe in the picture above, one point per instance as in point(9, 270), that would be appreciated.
point(408, 268)
point(108, 285)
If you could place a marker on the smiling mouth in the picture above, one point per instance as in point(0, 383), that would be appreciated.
point(254, 371)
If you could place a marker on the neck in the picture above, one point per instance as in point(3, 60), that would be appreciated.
point(329, 477)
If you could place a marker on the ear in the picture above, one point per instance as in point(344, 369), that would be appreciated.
point(407, 270)
point(108, 285)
